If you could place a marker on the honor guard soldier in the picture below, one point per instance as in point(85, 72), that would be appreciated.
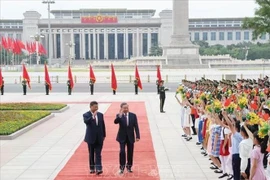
point(2, 87)
point(157, 83)
point(24, 86)
point(47, 87)
point(136, 86)
point(162, 96)
point(69, 87)
point(91, 84)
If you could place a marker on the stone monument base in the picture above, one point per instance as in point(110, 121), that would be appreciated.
point(182, 54)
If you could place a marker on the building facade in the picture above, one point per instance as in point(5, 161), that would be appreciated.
point(118, 33)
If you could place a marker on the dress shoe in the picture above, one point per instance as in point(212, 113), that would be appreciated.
point(92, 171)
point(189, 138)
point(213, 167)
point(121, 171)
point(99, 172)
point(162, 111)
point(184, 135)
point(129, 170)
point(218, 171)
point(223, 175)
point(230, 177)
point(198, 143)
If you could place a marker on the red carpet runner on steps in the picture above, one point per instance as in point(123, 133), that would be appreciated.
point(145, 165)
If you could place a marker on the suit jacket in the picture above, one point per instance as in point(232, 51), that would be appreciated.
point(94, 133)
point(125, 131)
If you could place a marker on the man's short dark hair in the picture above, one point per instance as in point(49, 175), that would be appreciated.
point(123, 104)
point(93, 103)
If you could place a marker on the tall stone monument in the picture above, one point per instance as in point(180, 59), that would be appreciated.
point(181, 51)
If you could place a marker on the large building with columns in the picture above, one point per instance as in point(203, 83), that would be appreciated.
point(118, 33)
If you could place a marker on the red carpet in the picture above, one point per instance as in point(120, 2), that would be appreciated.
point(144, 165)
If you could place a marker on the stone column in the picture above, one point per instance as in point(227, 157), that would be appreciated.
point(94, 45)
point(116, 44)
point(105, 44)
point(180, 34)
point(83, 51)
point(138, 43)
point(134, 45)
point(149, 44)
point(98, 51)
point(89, 45)
point(127, 51)
point(61, 45)
point(54, 54)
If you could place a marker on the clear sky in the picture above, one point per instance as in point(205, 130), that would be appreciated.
point(14, 9)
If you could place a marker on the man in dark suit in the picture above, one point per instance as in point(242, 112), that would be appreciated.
point(2, 87)
point(162, 95)
point(95, 135)
point(127, 125)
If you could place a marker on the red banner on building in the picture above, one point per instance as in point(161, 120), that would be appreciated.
point(99, 19)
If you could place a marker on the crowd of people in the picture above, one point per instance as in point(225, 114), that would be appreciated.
point(231, 121)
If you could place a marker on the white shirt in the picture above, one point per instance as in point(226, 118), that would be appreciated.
point(245, 149)
point(95, 118)
point(126, 114)
point(226, 132)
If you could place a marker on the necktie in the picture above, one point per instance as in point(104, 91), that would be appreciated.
point(126, 118)
point(95, 118)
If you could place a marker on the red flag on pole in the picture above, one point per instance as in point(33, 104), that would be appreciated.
point(137, 76)
point(159, 74)
point(113, 79)
point(92, 75)
point(1, 78)
point(26, 76)
point(70, 77)
point(47, 77)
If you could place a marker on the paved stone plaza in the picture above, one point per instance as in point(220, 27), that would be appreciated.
point(43, 151)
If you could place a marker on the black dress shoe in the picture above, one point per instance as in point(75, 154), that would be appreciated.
point(189, 138)
point(92, 171)
point(99, 172)
point(121, 171)
point(162, 111)
point(129, 170)
point(198, 143)
point(213, 167)
point(218, 171)
point(184, 135)
point(223, 175)
point(230, 177)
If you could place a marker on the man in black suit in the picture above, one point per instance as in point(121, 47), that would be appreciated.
point(162, 95)
point(127, 125)
point(95, 135)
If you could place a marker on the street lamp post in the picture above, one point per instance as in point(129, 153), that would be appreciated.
point(70, 45)
point(37, 38)
point(49, 2)
point(246, 54)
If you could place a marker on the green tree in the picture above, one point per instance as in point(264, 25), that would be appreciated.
point(156, 51)
point(260, 23)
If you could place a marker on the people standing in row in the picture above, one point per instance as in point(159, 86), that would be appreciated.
point(47, 88)
point(162, 95)
point(91, 84)
point(2, 87)
point(136, 86)
point(24, 86)
point(69, 87)
point(157, 84)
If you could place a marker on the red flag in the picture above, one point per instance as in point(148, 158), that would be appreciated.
point(113, 79)
point(47, 77)
point(16, 47)
point(159, 74)
point(70, 77)
point(10, 44)
point(1, 78)
point(4, 43)
point(137, 76)
point(92, 75)
point(26, 76)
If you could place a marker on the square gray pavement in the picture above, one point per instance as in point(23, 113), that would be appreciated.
point(43, 151)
